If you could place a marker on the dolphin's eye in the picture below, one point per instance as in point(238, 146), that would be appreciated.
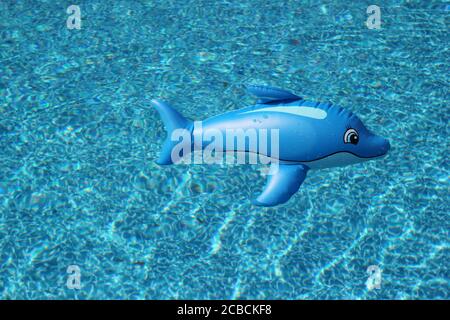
point(351, 136)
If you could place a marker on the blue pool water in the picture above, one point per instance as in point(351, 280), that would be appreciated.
point(78, 140)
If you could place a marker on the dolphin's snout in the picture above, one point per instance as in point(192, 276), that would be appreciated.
point(380, 146)
point(384, 146)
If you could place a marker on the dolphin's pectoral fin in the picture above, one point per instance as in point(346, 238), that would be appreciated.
point(271, 94)
point(281, 184)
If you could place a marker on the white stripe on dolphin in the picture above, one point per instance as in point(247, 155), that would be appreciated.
point(299, 111)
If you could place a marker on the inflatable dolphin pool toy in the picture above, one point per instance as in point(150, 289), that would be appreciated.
point(311, 136)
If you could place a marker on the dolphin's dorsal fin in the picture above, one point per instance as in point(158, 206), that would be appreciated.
point(282, 183)
point(270, 94)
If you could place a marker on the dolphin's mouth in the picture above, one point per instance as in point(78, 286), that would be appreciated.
point(337, 153)
point(336, 159)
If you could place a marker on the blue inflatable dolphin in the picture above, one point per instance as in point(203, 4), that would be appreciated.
point(311, 136)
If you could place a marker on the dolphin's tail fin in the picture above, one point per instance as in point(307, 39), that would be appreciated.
point(172, 120)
